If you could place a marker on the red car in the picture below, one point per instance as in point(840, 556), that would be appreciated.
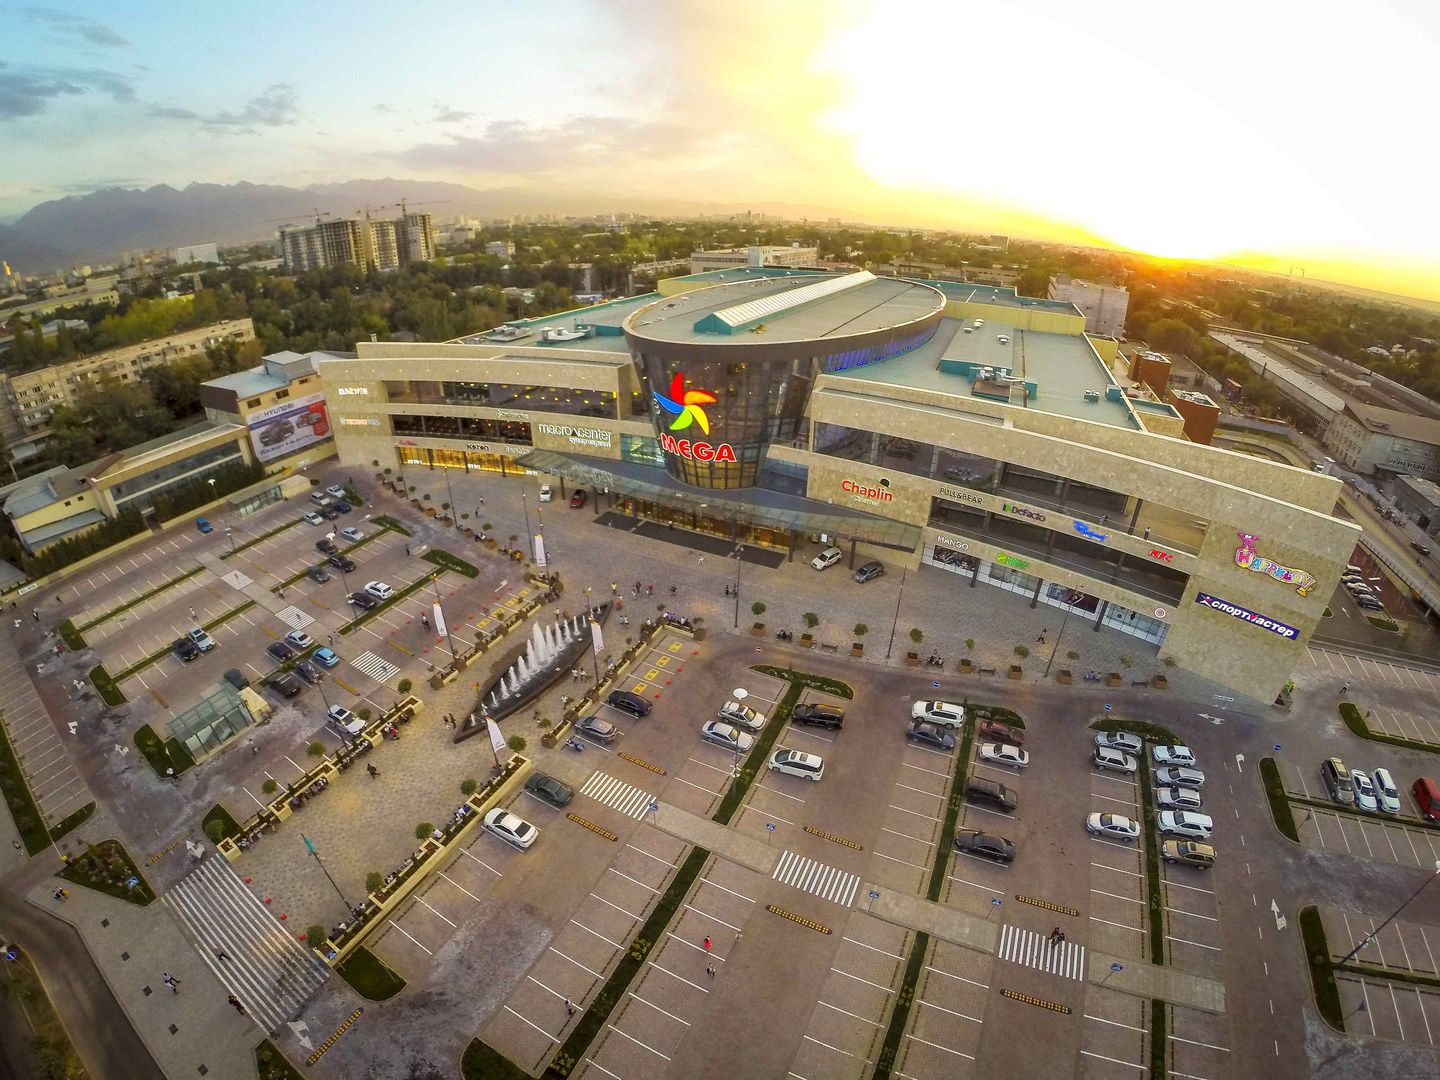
point(578, 499)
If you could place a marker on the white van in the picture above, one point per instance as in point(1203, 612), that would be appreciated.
point(319, 498)
point(797, 763)
point(1337, 780)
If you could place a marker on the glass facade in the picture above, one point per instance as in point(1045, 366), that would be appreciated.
point(469, 460)
point(157, 481)
point(549, 399)
point(479, 428)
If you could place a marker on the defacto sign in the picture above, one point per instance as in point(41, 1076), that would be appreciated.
point(866, 493)
point(1012, 561)
point(1235, 611)
point(353, 391)
point(696, 451)
point(1021, 511)
point(578, 436)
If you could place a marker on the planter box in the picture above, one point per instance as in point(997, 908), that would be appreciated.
point(857, 649)
point(807, 641)
point(1015, 671)
point(912, 659)
point(966, 666)
point(1161, 682)
point(1113, 679)
point(758, 629)
point(1064, 678)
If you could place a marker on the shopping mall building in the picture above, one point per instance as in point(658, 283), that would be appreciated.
point(920, 422)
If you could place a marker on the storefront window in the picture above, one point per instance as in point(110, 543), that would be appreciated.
point(549, 399)
point(642, 450)
point(478, 428)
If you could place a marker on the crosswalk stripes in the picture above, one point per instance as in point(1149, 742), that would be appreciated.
point(817, 878)
point(268, 970)
point(618, 795)
point(377, 669)
point(294, 618)
point(1021, 946)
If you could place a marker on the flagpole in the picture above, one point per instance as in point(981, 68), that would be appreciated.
point(316, 855)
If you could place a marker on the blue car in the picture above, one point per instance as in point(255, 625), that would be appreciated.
point(326, 658)
point(203, 525)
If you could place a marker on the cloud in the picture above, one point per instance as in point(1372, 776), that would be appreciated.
point(29, 91)
point(77, 26)
point(514, 146)
point(171, 112)
point(275, 107)
point(448, 115)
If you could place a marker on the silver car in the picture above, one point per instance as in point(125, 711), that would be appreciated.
point(726, 735)
point(596, 728)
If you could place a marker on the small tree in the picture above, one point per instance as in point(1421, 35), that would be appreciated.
point(861, 629)
point(424, 829)
point(915, 635)
point(487, 526)
point(404, 686)
point(364, 715)
point(969, 644)
point(467, 787)
point(757, 609)
point(316, 749)
point(516, 743)
point(445, 506)
point(811, 620)
point(428, 496)
point(215, 830)
point(374, 880)
point(269, 787)
point(315, 935)
point(1072, 655)
point(1021, 651)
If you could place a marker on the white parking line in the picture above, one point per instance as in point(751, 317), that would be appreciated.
point(682, 978)
point(932, 772)
point(952, 1012)
point(712, 918)
point(577, 963)
point(657, 1008)
point(397, 926)
point(957, 978)
point(651, 855)
point(1117, 1061)
point(732, 892)
point(937, 1046)
point(522, 1019)
point(627, 877)
point(927, 817)
point(872, 948)
point(617, 907)
point(853, 1016)
point(482, 862)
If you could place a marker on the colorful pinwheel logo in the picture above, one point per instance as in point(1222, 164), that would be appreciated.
point(685, 405)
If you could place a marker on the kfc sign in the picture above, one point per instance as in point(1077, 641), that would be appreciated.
point(1163, 556)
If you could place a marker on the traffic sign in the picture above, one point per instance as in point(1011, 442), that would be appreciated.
point(934, 684)
point(654, 807)
point(874, 894)
point(1108, 706)
point(1117, 968)
point(1277, 747)
point(995, 901)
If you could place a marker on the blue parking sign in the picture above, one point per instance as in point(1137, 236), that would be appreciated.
point(934, 684)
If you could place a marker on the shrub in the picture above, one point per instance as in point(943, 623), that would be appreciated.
point(969, 644)
point(364, 715)
point(915, 635)
point(316, 749)
point(1072, 655)
point(373, 881)
point(215, 830)
point(811, 619)
point(424, 829)
point(467, 787)
point(1021, 651)
point(516, 743)
point(861, 629)
point(315, 935)
point(270, 786)
point(757, 609)
point(405, 686)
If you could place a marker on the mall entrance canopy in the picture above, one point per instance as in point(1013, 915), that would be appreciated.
point(758, 508)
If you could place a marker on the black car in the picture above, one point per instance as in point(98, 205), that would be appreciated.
point(279, 650)
point(286, 684)
point(328, 513)
point(317, 574)
point(625, 701)
point(236, 678)
point(185, 649)
point(341, 507)
point(342, 562)
point(548, 789)
point(309, 672)
point(927, 733)
point(325, 546)
point(986, 845)
point(363, 600)
point(826, 716)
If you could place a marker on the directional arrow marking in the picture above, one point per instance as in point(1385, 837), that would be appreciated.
point(1280, 922)
point(1239, 762)
point(302, 1033)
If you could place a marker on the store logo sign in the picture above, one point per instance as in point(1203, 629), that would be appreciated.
point(1012, 561)
point(961, 496)
point(1246, 557)
point(578, 436)
point(950, 541)
point(1090, 534)
point(353, 391)
point(478, 447)
point(1163, 556)
point(359, 421)
point(696, 451)
point(511, 414)
point(1021, 511)
point(1237, 612)
point(864, 493)
point(686, 406)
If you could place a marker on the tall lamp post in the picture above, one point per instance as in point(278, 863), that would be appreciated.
point(739, 551)
point(896, 621)
point(435, 585)
point(525, 505)
point(453, 511)
point(590, 617)
point(1069, 601)
point(1373, 934)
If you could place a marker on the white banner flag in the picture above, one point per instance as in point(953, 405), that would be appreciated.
point(596, 638)
point(497, 740)
point(539, 549)
point(439, 620)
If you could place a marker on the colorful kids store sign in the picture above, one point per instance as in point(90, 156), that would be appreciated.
point(1246, 557)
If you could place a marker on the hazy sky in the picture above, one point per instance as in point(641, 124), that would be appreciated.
point(1269, 132)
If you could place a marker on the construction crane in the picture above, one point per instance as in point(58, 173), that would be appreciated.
point(403, 204)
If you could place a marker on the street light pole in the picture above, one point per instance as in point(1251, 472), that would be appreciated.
point(739, 551)
point(309, 846)
point(435, 585)
point(1373, 934)
point(590, 618)
point(1068, 602)
point(525, 505)
point(896, 621)
point(452, 511)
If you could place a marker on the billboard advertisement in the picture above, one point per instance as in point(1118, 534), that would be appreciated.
point(290, 426)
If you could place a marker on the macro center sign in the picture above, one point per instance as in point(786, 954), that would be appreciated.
point(1237, 612)
point(597, 437)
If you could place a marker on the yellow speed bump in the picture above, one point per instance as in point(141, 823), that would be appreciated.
point(1062, 909)
point(320, 1050)
point(798, 919)
point(599, 830)
point(833, 838)
point(1039, 1003)
point(641, 762)
point(397, 645)
point(153, 859)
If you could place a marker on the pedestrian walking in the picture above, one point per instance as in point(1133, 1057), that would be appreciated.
point(407, 549)
point(650, 590)
point(16, 845)
point(170, 981)
point(614, 588)
point(221, 954)
point(1146, 534)
point(702, 560)
point(36, 615)
point(737, 937)
point(482, 500)
point(236, 1002)
point(425, 621)
point(1343, 689)
point(569, 1008)
point(192, 613)
point(707, 943)
point(253, 748)
point(372, 770)
point(60, 894)
point(1054, 935)
point(710, 970)
point(672, 590)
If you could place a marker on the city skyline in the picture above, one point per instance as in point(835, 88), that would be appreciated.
point(1228, 139)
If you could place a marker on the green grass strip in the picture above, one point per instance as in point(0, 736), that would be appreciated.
point(1280, 811)
point(900, 1015)
point(1357, 725)
point(160, 654)
point(72, 822)
point(369, 976)
point(29, 822)
point(997, 712)
point(1370, 971)
point(1155, 924)
point(451, 562)
point(754, 762)
point(366, 616)
point(74, 640)
point(293, 578)
point(140, 599)
point(261, 538)
point(1322, 971)
point(952, 814)
point(271, 1064)
point(591, 1024)
point(1144, 729)
point(1159, 1037)
point(111, 694)
point(483, 1062)
point(107, 867)
point(163, 755)
point(804, 678)
point(391, 524)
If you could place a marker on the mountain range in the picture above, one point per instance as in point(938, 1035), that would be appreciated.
point(102, 224)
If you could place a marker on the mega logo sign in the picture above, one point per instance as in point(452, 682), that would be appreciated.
point(1237, 612)
point(687, 407)
point(1246, 557)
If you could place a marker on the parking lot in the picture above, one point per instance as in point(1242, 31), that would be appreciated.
point(1403, 946)
point(1115, 1036)
point(947, 1019)
point(1402, 840)
point(1199, 1044)
point(1404, 725)
point(1117, 878)
point(1362, 667)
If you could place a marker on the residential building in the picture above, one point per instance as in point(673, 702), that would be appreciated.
point(279, 403)
point(733, 258)
point(197, 253)
point(1368, 439)
point(382, 244)
point(415, 238)
point(501, 249)
point(1104, 306)
point(1419, 500)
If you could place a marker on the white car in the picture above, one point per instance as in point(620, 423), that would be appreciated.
point(298, 639)
point(546, 493)
point(938, 712)
point(203, 641)
point(726, 735)
point(379, 590)
point(829, 557)
point(335, 491)
point(796, 763)
point(1173, 755)
point(312, 518)
point(345, 720)
point(1386, 793)
point(1189, 826)
point(1177, 798)
point(1364, 791)
point(352, 533)
point(1114, 760)
point(511, 828)
point(1119, 740)
point(1179, 776)
point(1004, 754)
point(742, 716)
point(1114, 826)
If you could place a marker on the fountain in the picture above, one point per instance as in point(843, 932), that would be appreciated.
point(549, 653)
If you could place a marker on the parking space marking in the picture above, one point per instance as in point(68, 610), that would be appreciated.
point(402, 930)
point(482, 862)
point(1118, 1061)
point(937, 1046)
point(932, 772)
point(853, 1016)
point(927, 817)
point(630, 879)
point(657, 1008)
point(732, 892)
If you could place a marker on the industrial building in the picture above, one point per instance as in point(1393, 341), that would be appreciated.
point(756, 255)
point(1369, 439)
point(1104, 306)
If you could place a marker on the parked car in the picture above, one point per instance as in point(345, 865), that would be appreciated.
point(550, 790)
point(280, 651)
point(309, 672)
point(203, 525)
point(236, 678)
point(817, 714)
point(578, 499)
point(1113, 826)
point(1123, 741)
point(981, 790)
point(326, 658)
point(1001, 731)
point(1177, 798)
point(341, 507)
point(1186, 825)
point(203, 641)
point(511, 828)
point(1004, 754)
point(379, 590)
point(1369, 603)
point(299, 639)
point(1188, 853)
point(1110, 760)
point(596, 728)
point(317, 574)
point(869, 571)
point(344, 720)
point(796, 763)
point(1386, 793)
point(341, 562)
point(1422, 549)
point(312, 518)
point(335, 491)
point(827, 558)
point(286, 684)
point(941, 712)
point(726, 735)
point(1172, 755)
point(985, 845)
point(1364, 791)
point(546, 493)
point(329, 513)
point(363, 600)
point(1427, 798)
point(325, 546)
point(742, 716)
point(928, 733)
point(185, 649)
point(352, 534)
point(627, 702)
point(1179, 776)
point(1336, 778)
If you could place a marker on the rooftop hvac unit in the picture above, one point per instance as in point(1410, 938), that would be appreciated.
point(968, 330)
point(1092, 396)
point(987, 373)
